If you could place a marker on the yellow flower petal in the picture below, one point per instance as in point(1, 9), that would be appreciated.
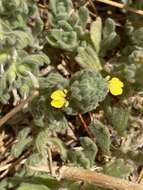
point(116, 81)
point(116, 91)
point(58, 94)
point(59, 98)
point(58, 103)
point(115, 86)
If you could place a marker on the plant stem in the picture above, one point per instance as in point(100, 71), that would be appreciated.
point(16, 109)
point(122, 6)
point(85, 126)
point(98, 179)
point(101, 180)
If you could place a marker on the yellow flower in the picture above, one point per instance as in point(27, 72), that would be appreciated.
point(115, 86)
point(59, 99)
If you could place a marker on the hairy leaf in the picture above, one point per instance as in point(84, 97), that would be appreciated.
point(96, 33)
point(23, 141)
point(102, 135)
point(90, 149)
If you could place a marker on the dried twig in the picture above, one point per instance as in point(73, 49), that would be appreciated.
point(122, 6)
point(50, 160)
point(93, 6)
point(101, 180)
point(5, 167)
point(10, 114)
point(98, 178)
point(85, 126)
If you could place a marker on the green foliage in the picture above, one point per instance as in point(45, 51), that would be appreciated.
point(96, 33)
point(26, 186)
point(102, 135)
point(67, 25)
point(43, 141)
point(52, 81)
point(136, 56)
point(110, 37)
point(119, 121)
point(137, 37)
point(89, 148)
point(87, 54)
point(46, 116)
point(16, 13)
point(23, 141)
point(41, 43)
point(118, 168)
point(21, 72)
point(85, 155)
point(35, 159)
point(88, 58)
point(37, 108)
point(19, 69)
point(41, 181)
point(88, 186)
point(78, 158)
point(87, 89)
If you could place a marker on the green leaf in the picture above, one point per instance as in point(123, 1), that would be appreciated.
point(53, 81)
point(136, 156)
point(118, 168)
point(23, 39)
point(66, 40)
point(58, 124)
point(87, 89)
point(59, 8)
point(120, 121)
point(90, 149)
point(60, 145)
point(96, 33)
point(28, 186)
point(23, 141)
point(3, 57)
point(35, 159)
point(102, 135)
point(83, 14)
point(38, 59)
point(43, 140)
point(137, 37)
point(109, 27)
point(87, 58)
point(37, 109)
point(87, 186)
point(110, 37)
point(78, 158)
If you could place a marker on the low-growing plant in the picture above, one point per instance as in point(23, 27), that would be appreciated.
point(88, 74)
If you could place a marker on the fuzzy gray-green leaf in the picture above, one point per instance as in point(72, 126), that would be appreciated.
point(102, 135)
point(118, 168)
point(90, 149)
point(87, 58)
point(27, 186)
point(87, 89)
point(96, 33)
point(23, 141)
